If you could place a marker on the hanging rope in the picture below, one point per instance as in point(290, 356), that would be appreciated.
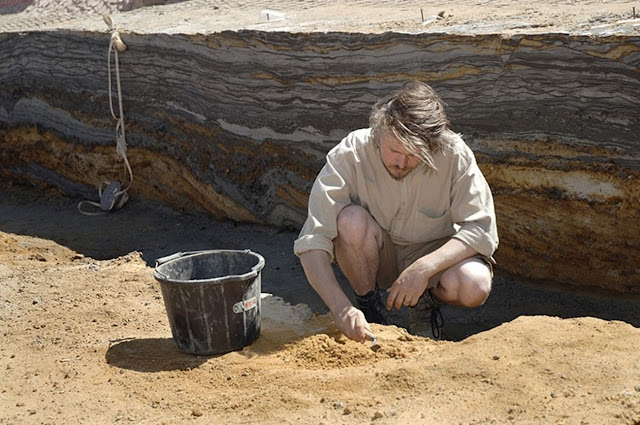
point(112, 194)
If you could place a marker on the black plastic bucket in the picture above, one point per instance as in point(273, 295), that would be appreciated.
point(212, 299)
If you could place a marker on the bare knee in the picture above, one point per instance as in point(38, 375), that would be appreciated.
point(356, 227)
point(476, 292)
point(467, 284)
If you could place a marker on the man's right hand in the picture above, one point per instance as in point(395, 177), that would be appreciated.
point(351, 322)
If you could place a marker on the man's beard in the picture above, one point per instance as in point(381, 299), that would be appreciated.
point(400, 173)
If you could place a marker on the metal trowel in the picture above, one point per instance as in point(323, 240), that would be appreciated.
point(374, 341)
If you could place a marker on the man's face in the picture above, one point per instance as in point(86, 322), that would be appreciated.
point(395, 157)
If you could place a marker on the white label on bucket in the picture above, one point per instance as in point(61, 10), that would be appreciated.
point(245, 305)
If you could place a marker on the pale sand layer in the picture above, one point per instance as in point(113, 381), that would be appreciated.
point(208, 16)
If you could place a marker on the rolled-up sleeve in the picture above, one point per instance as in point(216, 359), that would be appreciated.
point(329, 195)
point(473, 211)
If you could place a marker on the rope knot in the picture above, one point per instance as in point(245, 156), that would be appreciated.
point(117, 41)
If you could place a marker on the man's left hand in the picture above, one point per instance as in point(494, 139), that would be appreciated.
point(408, 287)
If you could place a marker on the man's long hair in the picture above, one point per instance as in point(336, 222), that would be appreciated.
point(415, 116)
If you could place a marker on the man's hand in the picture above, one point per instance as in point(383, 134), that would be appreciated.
point(408, 287)
point(351, 322)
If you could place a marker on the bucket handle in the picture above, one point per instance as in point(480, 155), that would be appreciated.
point(163, 260)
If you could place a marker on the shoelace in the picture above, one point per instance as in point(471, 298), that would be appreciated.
point(437, 321)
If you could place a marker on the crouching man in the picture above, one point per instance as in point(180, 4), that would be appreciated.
point(402, 207)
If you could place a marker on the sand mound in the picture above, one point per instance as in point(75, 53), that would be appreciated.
point(82, 335)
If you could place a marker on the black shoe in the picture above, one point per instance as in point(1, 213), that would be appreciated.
point(430, 303)
point(371, 305)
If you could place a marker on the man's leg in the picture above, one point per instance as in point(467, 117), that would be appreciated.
point(358, 251)
point(466, 284)
point(357, 248)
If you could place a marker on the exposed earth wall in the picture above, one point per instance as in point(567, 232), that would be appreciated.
point(237, 124)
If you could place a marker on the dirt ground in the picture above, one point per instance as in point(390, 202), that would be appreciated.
point(86, 339)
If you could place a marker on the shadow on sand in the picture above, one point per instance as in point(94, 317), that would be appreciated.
point(150, 355)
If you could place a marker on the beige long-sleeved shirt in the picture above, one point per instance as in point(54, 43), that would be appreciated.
point(454, 201)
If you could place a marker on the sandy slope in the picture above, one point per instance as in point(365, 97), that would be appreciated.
point(88, 341)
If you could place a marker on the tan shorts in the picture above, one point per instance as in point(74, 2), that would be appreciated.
point(395, 258)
